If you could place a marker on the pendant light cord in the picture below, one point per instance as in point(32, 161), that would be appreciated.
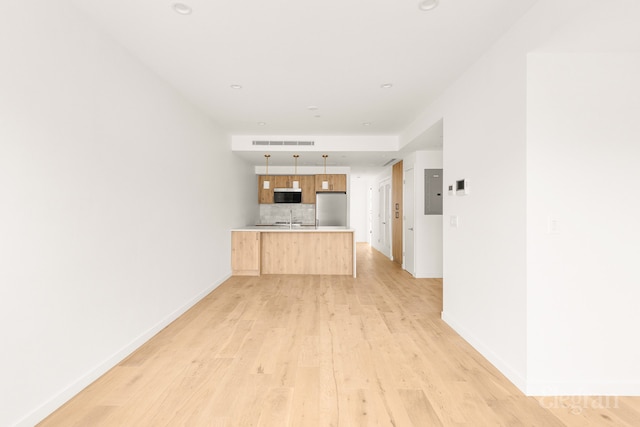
point(324, 156)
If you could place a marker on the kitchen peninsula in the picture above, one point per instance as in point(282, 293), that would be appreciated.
point(257, 250)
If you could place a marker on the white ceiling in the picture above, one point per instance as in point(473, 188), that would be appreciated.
point(292, 54)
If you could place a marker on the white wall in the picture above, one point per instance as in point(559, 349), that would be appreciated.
point(544, 136)
point(485, 143)
point(484, 257)
point(429, 117)
point(360, 200)
point(582, 166)
point(582, 137)
point(110, 220)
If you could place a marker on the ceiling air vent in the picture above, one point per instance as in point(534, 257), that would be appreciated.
point(389, 162)
point(308, 143)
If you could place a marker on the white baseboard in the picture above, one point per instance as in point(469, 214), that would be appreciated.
point(576, 388)
point(512, 375)
point(545, 388)
point(81, 383)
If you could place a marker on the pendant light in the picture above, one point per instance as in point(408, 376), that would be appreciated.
point(266, 184)
point(325, 182)
point(296, 182)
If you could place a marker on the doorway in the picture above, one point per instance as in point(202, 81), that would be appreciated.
point(384, 217)
point(408, 225)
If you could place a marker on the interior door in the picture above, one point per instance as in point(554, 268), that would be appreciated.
point(409, 221)
point(384, 225)
point(370, 217)
point(397, 218)
point(387, 228)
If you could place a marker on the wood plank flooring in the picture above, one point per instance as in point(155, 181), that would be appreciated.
point(321, 351)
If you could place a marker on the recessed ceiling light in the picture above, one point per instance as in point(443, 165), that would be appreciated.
point(427, 5)
point(366, 124)
point(262, 124)
point(236, 87)
point(386, 86)
point(182, 8)
point(312, 108)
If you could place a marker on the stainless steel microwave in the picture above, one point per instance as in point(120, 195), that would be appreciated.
point(287, 195)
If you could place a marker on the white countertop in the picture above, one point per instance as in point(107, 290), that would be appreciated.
point(295, 228)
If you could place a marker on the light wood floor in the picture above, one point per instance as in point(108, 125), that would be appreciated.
point(321, 351)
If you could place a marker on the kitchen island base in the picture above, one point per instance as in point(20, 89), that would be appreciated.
point(313, 251)
point(307, 253)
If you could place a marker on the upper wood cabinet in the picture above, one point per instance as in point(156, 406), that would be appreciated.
point(337, 182)
point(265, 195)
point(306, 182)
point(308, 186)
point(283, 181)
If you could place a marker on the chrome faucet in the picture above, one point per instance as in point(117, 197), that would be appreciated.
point(290, 219)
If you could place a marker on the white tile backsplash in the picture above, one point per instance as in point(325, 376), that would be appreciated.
point(281, 212)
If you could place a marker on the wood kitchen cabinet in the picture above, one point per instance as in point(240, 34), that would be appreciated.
point(337, 182)
point(308, 253)
point(245, 253)
point(286, 181)
point(287, 251)
point(306, 182)
point(283, 181)
point(308, 186)
point(265, 195)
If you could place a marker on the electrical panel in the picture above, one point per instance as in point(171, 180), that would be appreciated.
point(433, 191)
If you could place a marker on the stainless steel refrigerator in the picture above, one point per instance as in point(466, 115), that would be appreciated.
point(331, 209)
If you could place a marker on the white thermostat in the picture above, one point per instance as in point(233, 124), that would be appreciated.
point(462, 187)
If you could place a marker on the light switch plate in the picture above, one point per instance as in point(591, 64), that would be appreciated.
point(453, 221)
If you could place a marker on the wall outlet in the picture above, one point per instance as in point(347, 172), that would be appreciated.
point(553, 225)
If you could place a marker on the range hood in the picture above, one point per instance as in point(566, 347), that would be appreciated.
point(287, 190)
